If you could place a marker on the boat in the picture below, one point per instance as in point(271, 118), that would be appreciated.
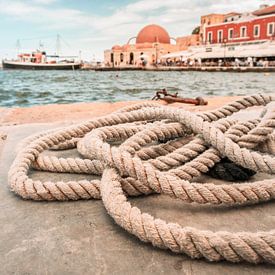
point(39, 60)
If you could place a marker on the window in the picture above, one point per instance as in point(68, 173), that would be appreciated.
point(220, 36)
point(210, 35)
point(270, 29)
point(256, 30)
point(121, 57)
point(230, 33)
point(243, 31)
point(131, 58)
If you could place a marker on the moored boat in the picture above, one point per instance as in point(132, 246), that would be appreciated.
point(40, 61)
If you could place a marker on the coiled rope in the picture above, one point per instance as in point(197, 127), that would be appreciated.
point(162, 150)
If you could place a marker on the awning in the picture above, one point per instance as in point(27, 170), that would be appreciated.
point(239, 51)
point(182, 54)
point(226, 51)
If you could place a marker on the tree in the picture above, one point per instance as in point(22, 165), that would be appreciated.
point(196, 30)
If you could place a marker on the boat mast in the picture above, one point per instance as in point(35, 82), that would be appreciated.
point(40, 46)
point(18, 46)
point(58, 45)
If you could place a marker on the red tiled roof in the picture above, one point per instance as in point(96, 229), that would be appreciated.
point(265, 11)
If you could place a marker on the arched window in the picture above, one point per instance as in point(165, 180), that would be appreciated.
point(131, 58)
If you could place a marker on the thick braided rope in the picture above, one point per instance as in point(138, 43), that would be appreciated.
point(234, 247)
point(37, 190)
point(216, 114)
point(232, 107)
point(142, 176)
point(87, 166)
point(77, 165)
point(243, 246)
point(160, 181)
point(182, 155)
point(23, 185)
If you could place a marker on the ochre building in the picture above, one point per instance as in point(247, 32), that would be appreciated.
point(151, 43)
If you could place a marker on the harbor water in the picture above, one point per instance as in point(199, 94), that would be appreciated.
point(28, 88)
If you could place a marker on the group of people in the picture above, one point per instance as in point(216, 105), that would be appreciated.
point(251, 62)
point(229, 62)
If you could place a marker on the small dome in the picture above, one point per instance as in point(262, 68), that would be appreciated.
point(116, 47)
point(125, 47)
point(153, 34)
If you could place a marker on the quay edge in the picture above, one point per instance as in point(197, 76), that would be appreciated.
point(186, 69)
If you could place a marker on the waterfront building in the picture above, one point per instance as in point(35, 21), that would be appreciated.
point(232, 39)
point(184, 42)
point(147, 48)
point(236, 28)
point(219, 36)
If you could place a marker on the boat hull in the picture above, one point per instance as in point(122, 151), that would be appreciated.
point(34, 66)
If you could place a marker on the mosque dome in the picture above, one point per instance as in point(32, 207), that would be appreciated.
point(153, 34)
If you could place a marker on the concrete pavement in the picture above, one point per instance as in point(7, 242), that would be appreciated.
point(80, 238)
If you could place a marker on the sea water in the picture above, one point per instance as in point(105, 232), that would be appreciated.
point(28, 88)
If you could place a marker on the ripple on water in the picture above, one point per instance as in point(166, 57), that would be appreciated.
point(21, 102)
point(43, 94)
point(26, 88)
point(61, 79)
point(23, 93)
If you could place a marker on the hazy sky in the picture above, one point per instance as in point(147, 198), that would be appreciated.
point(94, 25)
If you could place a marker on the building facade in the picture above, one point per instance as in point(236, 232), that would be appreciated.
point(234, 27)
point(231, 35)
point(150, 44)
point(185, 42)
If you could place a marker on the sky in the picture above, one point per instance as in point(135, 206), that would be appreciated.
point(91, 26)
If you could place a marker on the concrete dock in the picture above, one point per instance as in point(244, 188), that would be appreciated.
point(81, 238)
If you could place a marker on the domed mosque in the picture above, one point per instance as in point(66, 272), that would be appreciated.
point(151, 43)
point(153, 34)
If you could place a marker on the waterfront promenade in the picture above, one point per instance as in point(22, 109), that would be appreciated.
point(186, 69)
point(79, 237)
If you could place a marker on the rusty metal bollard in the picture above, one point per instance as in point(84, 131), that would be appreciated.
point(171, 98)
